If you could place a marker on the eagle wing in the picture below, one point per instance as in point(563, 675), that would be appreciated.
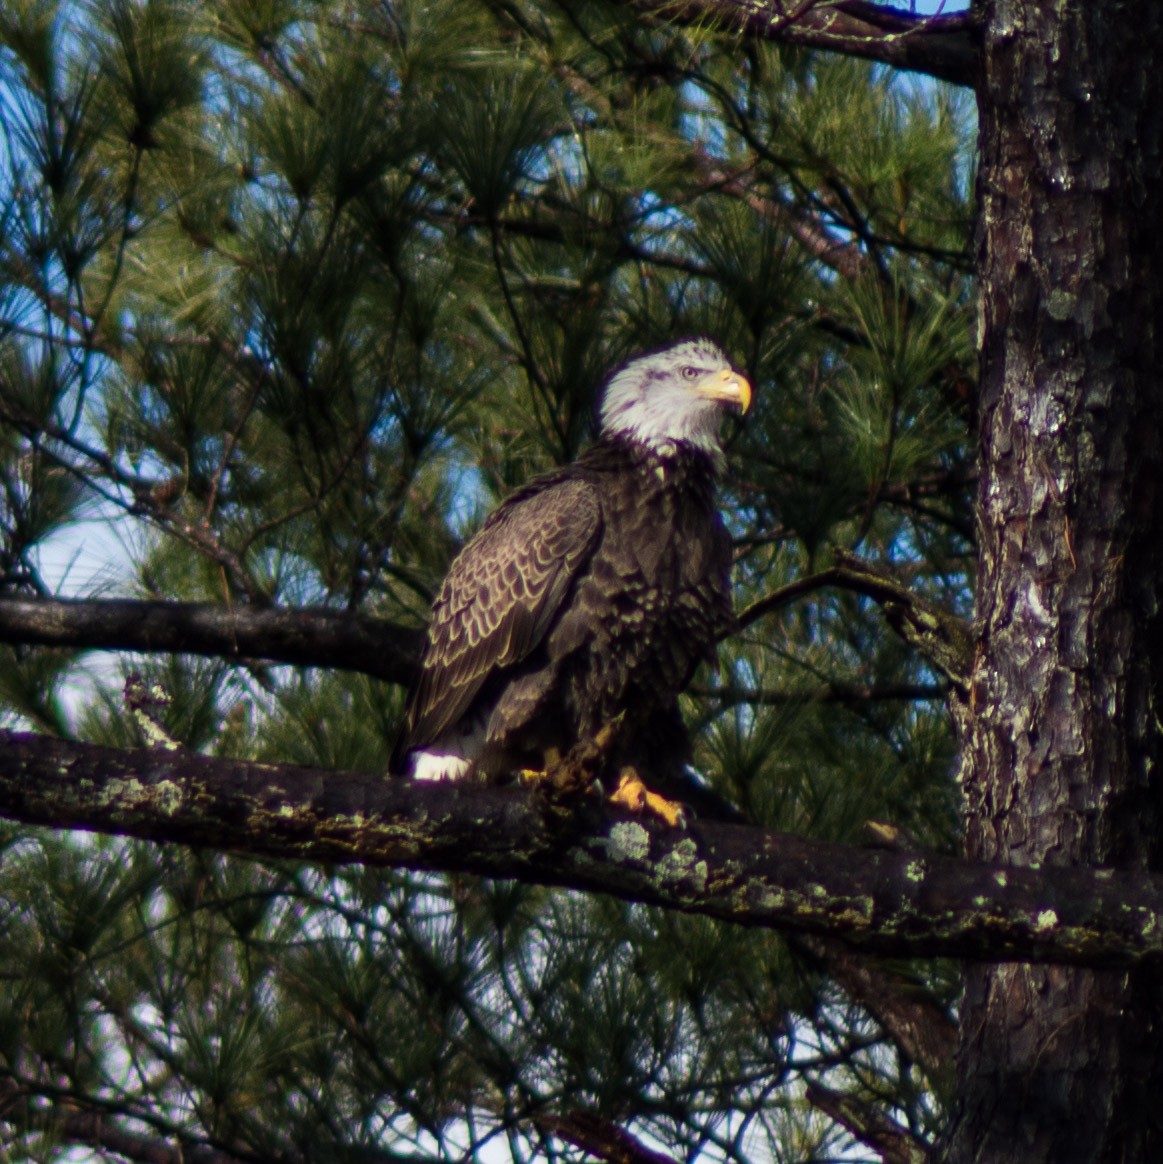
point(502, 593)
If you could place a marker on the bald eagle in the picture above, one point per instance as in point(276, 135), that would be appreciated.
point(592, 593)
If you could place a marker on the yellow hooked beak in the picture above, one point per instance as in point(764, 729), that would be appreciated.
point(727, 386)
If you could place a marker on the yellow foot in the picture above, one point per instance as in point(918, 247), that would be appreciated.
point(539, 775)
point(631, 793)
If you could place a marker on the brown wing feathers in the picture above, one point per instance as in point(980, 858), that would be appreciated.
point(501, 595)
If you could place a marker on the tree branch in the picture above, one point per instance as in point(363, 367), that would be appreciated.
point(911, 1017)
point(944, 46)
point(303, 637)
point(100, 1127)
point(315, 637)
point(893, 1143)
point(97, 1128)
point(600, 1138)
point(938, 636)
point(849, 693)
point(884, 902)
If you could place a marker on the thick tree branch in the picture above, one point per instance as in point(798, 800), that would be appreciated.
point(304, 637)
point(847, 693)
point(944, 46)
point(885, 902)
point(915, 1021)
point(600, 1138)
point(893, 1143)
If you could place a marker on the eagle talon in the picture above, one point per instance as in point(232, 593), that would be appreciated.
point(632, 794)
point(574, 774)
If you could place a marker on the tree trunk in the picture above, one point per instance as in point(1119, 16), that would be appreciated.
point(1061, 748)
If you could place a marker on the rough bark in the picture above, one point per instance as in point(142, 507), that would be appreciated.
point(877, 900)
point(1061, 756)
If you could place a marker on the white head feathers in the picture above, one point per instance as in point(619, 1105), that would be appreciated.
point(674, 397)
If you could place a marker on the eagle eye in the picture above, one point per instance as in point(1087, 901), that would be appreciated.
point(690, 372)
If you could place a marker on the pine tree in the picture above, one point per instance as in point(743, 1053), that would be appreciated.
point(291, 294)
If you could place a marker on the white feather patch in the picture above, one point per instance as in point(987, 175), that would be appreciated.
point(431, 765)
point(451, 757)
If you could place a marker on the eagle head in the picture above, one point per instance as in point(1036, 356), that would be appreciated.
point(673, 397)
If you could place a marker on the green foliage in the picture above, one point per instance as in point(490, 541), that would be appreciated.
point(290, 294)
point(283, 1008)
